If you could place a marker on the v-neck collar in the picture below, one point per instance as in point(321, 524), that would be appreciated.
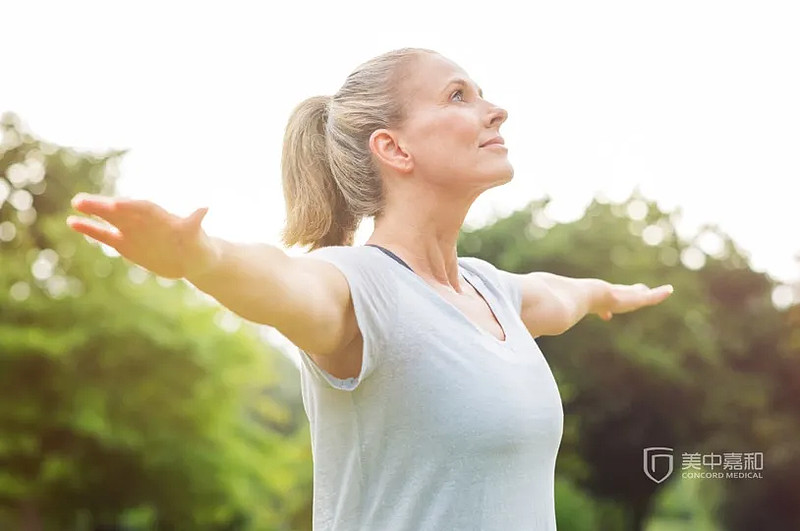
point(497, 315)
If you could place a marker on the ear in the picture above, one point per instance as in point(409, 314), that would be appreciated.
point(386, 148)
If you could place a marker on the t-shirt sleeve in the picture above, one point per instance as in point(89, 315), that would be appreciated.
point(374, 303)
point(507, 283)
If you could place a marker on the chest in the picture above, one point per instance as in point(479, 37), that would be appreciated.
point(469, 308)
point(476, 309)
point(459, 384)
point(469, 391)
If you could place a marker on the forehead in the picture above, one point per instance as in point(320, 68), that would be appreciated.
point(430, 75)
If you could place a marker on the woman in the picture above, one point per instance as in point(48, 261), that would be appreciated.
point(431, 406)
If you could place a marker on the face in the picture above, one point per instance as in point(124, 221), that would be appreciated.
point(448, 120)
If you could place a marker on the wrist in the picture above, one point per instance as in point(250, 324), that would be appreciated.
point(599, 293)
point(207, 261)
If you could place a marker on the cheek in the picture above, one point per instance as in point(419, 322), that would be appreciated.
point(454, 134)
point(459, 128)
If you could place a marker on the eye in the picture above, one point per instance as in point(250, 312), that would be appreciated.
point(459, 91)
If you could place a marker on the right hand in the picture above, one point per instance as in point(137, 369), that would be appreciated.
point(146, 234)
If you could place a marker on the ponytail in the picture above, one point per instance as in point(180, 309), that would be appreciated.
point(316, 211)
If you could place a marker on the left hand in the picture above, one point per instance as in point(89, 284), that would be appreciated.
point(621, 298)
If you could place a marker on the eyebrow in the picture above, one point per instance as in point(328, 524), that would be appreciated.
point(460, 81)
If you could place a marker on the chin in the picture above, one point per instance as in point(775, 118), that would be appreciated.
point(506, 175)
point(501, 178)
point(491, 176)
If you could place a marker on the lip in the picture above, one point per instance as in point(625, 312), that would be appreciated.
point(493, 141)
point(495, 146)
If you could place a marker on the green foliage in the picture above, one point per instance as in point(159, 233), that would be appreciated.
point(577, 510)
point(124, 401)
point(686, 504)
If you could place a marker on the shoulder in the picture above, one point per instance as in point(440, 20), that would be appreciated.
point(354, 259)
point(486, 269)
point(507, 283)
point(340, 251)
point(478, 265)
point(365, 269)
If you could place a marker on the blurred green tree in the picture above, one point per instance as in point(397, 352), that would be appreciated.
point(772, 502)
point(127, 399)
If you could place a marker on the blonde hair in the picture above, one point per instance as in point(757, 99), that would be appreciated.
point(330, 179)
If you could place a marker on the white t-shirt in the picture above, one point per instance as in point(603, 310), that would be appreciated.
point(446, 427)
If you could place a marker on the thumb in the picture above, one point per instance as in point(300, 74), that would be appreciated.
point(196, 217)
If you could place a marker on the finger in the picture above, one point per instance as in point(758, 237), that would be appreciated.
point(111, 209)
point(660, 293)
point(108, 236)
point(93, 204)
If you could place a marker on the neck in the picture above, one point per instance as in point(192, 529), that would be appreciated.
point(425, 236)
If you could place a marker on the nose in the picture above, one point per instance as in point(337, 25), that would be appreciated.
point(497, 115)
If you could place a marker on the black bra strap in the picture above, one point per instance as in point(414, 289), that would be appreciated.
point(390, 253)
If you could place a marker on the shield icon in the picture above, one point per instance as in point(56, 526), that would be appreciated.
point(650, 455)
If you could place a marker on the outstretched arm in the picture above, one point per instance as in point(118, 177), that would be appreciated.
point(306, 299)
point(552, 304)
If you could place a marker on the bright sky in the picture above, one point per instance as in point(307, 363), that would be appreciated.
point(695, 102)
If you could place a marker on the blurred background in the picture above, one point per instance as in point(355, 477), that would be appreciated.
point(651, 143)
